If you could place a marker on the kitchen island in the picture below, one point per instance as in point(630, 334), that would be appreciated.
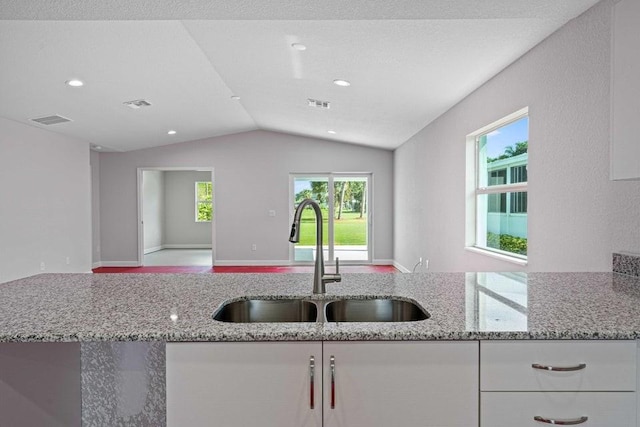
point(121, 329)
point(179, 307)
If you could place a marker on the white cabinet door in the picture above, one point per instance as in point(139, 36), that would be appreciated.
point(590, 409)
point(625, 91)
point(401, 384)
point(243, 384)
point(599, 365)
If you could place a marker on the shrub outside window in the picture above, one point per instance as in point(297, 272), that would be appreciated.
point(204, 201)
point(500, 189)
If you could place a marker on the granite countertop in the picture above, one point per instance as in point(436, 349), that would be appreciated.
point(178, 307)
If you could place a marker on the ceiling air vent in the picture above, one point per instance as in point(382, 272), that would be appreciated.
point(51, 120)
point(138, 103)
point(325, 105)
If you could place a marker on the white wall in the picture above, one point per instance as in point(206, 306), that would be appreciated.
point(577, 217)
point(251, 177)
point(180, 227)
point(153, 209)
point(45, 202)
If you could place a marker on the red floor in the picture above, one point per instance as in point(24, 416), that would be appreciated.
point(247, 269)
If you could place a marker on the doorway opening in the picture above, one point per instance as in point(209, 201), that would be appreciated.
point(345, 201)
point(176, 219)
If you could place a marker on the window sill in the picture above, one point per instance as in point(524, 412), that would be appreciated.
point(496, 255)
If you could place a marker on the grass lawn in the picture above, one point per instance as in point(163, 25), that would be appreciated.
point(349, 230)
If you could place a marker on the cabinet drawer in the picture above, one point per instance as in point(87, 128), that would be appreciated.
point(507, 365)
point(602, 409)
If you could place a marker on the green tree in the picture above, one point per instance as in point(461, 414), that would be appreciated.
point(319, 191)
point(511, 151)
point(304, 194)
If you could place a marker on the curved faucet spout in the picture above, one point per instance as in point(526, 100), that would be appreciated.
point(319, 278)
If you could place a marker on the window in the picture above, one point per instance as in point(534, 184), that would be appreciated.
point(204, 201)
point(497, 174)
point(346, 226)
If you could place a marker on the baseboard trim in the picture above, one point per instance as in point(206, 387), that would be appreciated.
point(187, 246)
point(401, 267)
point(382, 262)
point(96, 265)
point(120, 264)
point(256, 262)
point(154, 249)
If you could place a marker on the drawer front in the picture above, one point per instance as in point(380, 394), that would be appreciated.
point(601, 409)
point(507, 365)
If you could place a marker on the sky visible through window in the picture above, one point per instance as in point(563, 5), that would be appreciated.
point(508, 135)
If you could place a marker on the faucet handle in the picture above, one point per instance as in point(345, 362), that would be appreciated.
point(337, 265)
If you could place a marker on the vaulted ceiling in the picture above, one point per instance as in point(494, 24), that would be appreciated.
point(408, 61)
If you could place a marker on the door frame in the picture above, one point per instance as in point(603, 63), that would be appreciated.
point(330, 231)
point(140, 196)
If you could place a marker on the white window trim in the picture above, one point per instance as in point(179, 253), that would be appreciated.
point(472, 191)
point(197, 201)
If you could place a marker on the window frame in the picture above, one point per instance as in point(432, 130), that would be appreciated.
point(199, 201)
point(474, 190)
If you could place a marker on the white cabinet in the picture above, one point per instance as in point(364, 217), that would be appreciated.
point(625, 91)
point(601, 409)
point(374, 384)
point(589, 381)
point(243, 384)
point(381, 384)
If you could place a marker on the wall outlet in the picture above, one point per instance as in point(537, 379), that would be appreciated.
point(254, 247)
point(272, 212)
point(42, 266)
point(68, 261)
point(426, 264)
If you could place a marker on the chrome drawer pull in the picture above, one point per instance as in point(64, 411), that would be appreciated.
point(312, 374)
point(561, 422)
point(559, 369)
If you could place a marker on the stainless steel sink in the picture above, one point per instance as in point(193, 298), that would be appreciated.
point(261, 310)
point(374, 310)
point(254, 310)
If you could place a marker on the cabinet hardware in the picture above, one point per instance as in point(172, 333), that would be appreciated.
point(332, 364)
point(559, 369)
point(312, 374)
point(560, 422)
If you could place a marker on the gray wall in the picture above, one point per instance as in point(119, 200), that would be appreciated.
point(45, 202)
point(180, 227)
point(251, 177)
point(577, 216)
point(153, 209)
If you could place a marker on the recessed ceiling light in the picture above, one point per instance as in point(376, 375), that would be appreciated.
point(332, 132)
point(172, 132)
point(235, 97)
point(341, 82)
point(97, 147)
point(74, 83)
point(298, 46)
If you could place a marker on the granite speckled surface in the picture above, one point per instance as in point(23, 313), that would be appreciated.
point(123, 384)
point(178, 307)
point(625, 263)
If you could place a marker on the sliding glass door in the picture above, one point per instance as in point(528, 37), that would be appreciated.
point(344, 202)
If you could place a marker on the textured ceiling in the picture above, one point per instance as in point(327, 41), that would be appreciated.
point(408, 62)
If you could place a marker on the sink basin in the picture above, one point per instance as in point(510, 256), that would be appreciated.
point(374, 310)
point(260, 310)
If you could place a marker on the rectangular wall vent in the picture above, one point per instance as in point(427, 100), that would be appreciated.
point(51, 120)
point(325, 105)
point(138, 103)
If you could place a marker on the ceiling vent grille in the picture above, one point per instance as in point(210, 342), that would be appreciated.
point(138, 103)
point(51, 120)
point(315, 103)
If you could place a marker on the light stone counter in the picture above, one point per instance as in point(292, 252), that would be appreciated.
point(178, 307)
